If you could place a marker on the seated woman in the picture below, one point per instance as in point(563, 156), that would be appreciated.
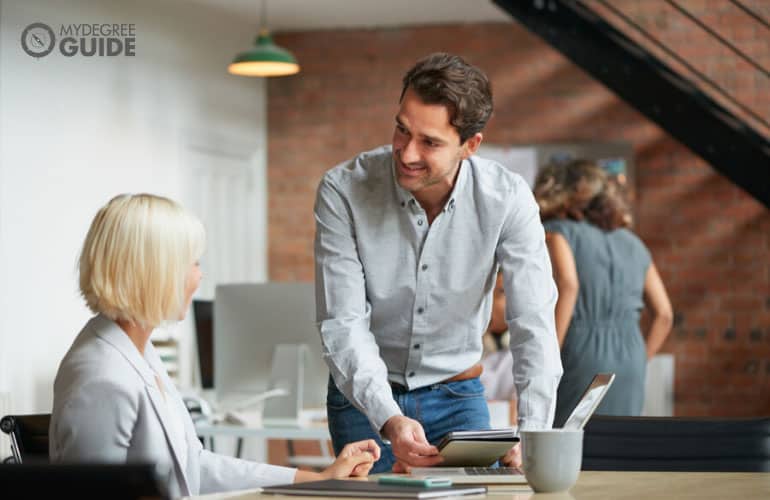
point(113, 400)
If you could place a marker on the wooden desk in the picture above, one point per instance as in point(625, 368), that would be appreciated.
point(593, 485)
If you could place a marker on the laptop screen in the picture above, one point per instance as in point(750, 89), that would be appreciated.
point(590, 401)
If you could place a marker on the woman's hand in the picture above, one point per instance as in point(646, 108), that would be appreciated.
point(355, 459)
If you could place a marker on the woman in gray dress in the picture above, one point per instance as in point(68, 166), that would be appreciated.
point(605, 276)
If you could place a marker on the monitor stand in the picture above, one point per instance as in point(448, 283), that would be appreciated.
point(287, 373)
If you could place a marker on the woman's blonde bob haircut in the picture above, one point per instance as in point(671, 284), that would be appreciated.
point(136, 258)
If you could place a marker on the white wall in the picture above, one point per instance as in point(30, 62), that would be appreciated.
point(76, 131)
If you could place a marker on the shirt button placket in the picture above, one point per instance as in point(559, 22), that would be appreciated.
point(421, 292)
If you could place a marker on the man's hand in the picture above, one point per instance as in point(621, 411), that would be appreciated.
point(355, 459)
point(513, 457)
point(408, 442)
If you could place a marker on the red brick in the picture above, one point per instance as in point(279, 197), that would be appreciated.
point(710, 240)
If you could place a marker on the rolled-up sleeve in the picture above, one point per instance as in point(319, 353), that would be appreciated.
point(342, 310)
point(531, 295)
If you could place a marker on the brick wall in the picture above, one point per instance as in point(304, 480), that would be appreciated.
point(710, 240)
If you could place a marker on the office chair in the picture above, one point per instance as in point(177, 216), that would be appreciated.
point(29, 436)
point(693, 444)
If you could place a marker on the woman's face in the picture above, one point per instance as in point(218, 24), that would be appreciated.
point(192, 281)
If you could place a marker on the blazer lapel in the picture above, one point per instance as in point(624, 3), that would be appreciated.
point(111, 333)
point(161, 409)
point(190, 435)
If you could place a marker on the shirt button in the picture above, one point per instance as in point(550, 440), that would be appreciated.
point(411, 374)
point(420, 310)
point(424, 267)
point(419, 222)
point(417, 346)
point(403, 204)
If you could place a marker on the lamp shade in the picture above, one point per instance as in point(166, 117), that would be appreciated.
point(264, 59)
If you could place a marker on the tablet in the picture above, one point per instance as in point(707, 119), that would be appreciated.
point(475, 448)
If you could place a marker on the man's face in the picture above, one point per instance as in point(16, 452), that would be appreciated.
point(426, 147)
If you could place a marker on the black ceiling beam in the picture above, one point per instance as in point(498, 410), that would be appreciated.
point(733, 148)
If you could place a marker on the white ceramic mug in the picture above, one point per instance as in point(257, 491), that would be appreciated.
point(551, 458)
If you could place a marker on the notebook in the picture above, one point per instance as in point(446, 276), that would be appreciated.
point(588, 403)
point(337, 488)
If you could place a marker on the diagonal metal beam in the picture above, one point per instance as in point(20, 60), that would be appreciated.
point(733, 148)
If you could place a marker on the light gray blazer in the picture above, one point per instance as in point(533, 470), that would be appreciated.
point(107, 408)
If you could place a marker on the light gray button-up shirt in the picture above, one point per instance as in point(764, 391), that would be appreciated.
point(405, 301)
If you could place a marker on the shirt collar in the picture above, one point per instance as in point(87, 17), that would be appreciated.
point(405, 197)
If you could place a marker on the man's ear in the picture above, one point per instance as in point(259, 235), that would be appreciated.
point(472, 145)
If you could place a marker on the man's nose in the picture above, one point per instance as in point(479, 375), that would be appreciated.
point(409, 153)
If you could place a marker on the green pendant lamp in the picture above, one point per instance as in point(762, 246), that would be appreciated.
point(265, 58)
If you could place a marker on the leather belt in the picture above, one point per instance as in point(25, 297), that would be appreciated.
point(472, 372)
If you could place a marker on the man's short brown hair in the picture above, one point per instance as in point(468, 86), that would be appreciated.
point(464, 89)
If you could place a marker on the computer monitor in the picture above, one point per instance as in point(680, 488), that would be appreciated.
point(203, 310)
point(250, 320)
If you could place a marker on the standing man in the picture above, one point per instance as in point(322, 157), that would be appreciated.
point(409, 239)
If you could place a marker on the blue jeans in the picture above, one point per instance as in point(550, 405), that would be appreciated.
point(440, 408)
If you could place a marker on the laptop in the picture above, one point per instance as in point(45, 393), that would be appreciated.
point(579, 417)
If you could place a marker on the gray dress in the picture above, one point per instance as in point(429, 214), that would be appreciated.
point(604, 335)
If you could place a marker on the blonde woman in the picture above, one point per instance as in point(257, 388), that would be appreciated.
point(113, 400)
point(605, 276)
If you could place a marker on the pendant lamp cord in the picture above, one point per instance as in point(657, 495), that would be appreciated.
point(263, 17)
